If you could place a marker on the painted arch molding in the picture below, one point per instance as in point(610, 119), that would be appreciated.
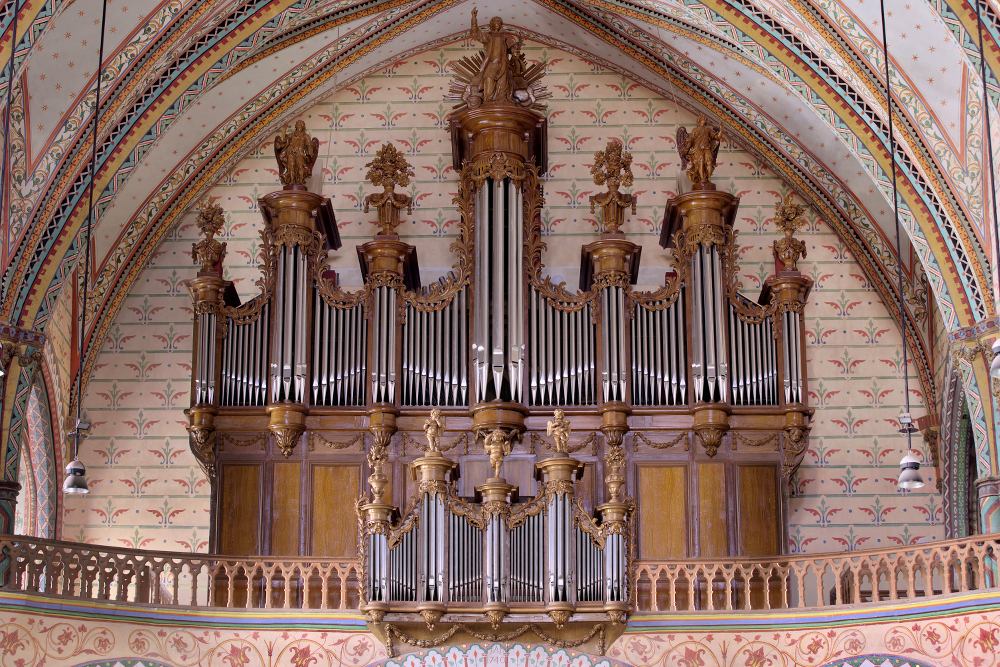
point(191, 87)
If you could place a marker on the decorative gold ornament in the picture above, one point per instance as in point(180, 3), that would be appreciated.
point(498, 444)
point(559, 429)
point(560, 617)
point(618, 617)
point(209, 252)
point(389, 169)
point(431, 616)
point(296, 154)
point(433, 428)
point(788, 218)
point(496, 617)
point(699, 151)
point(613, 166)
point(499, 75)
point(375, 615)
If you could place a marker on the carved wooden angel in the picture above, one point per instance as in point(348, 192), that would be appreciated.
point(296, 154)
point(433, 428)
point(559, 428)
point(699, 151)
point(498, 445)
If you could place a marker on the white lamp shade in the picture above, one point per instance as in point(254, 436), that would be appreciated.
point(909, 474)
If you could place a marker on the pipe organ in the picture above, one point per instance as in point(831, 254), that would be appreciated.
point(689, 400)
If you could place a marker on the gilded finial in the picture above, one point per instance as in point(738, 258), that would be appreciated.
point(389, 169)
point(789, 219)
point(613, 166)
point(209, 252)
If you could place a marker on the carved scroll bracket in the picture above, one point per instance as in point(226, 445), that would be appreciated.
point(711, 424)
point(201, 440)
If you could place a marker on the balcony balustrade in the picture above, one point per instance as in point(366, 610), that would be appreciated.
point(127, 576)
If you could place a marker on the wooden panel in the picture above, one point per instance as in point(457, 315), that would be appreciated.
point(662, 512)
point(758, 511)
point(334, 524)
point(713, 523)
point(285, 510)
point(239, 510)
point(585, 488)
point(474, 473)
point(520, 473)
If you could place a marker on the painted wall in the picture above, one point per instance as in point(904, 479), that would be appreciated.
point(146, 489)
point(961, 630)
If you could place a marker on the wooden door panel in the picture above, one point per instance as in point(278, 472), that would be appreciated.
point(285, 519)
point(335, 490)
point(758, 518)
point(663, 511)
point(239, 510)
point(713, 506)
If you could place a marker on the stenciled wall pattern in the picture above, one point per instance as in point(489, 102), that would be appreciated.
point(146, 488)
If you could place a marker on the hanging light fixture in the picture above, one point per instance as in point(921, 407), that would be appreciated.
point(909, 467)
point(76, 482)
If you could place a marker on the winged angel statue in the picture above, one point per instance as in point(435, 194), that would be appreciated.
point(699, 151)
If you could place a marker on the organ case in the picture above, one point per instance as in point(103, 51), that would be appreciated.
point(689, 401)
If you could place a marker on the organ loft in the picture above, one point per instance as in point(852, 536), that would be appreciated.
point(490, 444)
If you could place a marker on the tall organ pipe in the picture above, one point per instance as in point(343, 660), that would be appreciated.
point(498, 341)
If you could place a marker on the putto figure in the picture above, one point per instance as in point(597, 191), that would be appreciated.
point(699, 151)
point(498, 445)
point(296, 154)
point(433, 428)
point(559, 429)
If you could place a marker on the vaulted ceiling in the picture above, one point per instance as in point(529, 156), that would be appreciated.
point(189, 88)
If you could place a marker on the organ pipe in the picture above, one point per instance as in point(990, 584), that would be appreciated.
point(498, 336)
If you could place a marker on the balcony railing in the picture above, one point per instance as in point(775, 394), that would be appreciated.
point(72, 570)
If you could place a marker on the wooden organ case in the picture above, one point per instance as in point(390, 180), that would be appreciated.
point(687, 402)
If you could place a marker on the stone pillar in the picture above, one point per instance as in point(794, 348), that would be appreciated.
point(972, 355)
point(22, 346)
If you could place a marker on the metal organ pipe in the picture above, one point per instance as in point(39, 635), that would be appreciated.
point(615, 333)
point(709, 368)
point(383, 372)
point(339, 350)
point(243, 372)
point(561, 359)
point(498, 343)
point(435, 362)
point(753, 351)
